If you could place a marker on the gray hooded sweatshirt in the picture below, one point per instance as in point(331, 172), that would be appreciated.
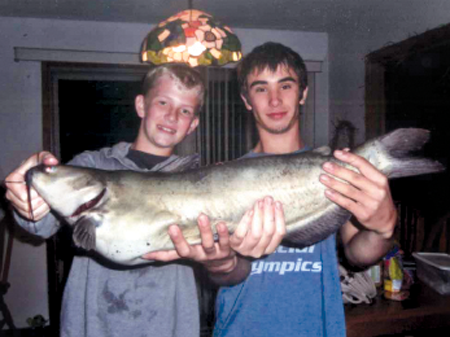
point(106, 300)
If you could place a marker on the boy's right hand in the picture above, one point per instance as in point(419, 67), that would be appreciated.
point(17, 192)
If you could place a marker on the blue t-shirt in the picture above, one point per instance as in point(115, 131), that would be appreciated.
point(292, 292)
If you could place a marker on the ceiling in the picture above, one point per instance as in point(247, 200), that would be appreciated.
point(305, 15)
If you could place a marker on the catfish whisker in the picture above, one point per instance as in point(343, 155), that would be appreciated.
point(28, 185)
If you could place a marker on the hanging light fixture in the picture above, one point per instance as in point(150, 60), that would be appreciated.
point(192, 37)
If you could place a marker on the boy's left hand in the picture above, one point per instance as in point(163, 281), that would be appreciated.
point(367, 195)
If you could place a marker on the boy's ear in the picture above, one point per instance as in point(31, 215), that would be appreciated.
point(193, 125)
point(139, 105)
point(247, 103)
point(305, 95)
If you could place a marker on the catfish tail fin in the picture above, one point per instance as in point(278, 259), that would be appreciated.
point(395, 154)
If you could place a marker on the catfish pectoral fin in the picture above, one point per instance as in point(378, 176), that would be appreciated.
point(84, 233)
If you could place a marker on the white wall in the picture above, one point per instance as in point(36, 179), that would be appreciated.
point(21, 113)
point(349, 45)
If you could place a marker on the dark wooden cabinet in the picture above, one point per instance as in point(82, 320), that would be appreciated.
point(424, 313)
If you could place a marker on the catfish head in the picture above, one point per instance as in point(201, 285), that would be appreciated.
point(70, 191)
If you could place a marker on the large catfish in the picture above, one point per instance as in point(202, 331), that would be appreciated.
point(125, 214)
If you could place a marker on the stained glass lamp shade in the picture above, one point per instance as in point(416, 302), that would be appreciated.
point(192, 37)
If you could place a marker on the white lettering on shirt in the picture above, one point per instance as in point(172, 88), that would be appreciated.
point(302, 265)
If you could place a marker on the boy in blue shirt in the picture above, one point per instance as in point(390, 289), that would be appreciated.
point(293, 292)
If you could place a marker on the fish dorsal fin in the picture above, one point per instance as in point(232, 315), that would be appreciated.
point(84, 233)
point(323, 150)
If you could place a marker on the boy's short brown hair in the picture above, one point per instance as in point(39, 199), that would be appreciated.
point(271, 55)
point(188, 77)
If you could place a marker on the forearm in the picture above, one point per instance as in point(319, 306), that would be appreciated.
point(234, 275)
point(367, 248)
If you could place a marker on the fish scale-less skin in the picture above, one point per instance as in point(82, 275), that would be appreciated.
point(302, 194)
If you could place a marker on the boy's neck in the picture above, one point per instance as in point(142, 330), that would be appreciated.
point(279, 143)
point(144, 146)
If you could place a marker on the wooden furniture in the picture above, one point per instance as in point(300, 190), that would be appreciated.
point(424, 311)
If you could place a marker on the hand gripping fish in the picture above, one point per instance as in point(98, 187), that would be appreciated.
point(124, 214)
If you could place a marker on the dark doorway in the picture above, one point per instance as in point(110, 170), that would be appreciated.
point(408, 85)
point(417, 92)
point(96, 114)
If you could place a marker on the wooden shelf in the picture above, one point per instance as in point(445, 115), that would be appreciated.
point(425, 310)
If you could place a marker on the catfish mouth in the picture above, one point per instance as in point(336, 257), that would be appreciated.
point(90, 204)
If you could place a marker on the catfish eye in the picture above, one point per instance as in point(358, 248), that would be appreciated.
point(50, 169)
